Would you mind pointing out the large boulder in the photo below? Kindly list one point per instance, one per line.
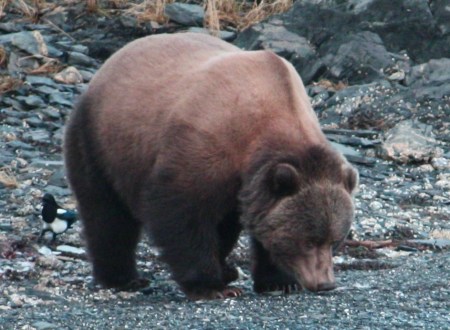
(357, 39)
(359, 58)
(291, 46)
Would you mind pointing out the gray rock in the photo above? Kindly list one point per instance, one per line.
(7, 38)
(352, 154)
(224, 35)
(6, 157)
(15, 104)
(434, 72)
(38, 136)
(410, 141)
(185, 14)
(35, 122)
(441, 14)
(5, 226)
(86, 75)
(42, 325)
(29, 154)
(417, 32)
(292, 47)
(54, 52)
(430, 80)
(58, 136)
(19, 145)
(13, 121)
(129, 21)
(80, 49)
(48, 164)
(42, 89)
(30, 42)
(58, 191)
(58, 16)
(9, 27)
(345, 150)
(61, 98)
(438, 243)
(40, 80)
(70, 46)
(13, 113)
(438, 93)
(18, 64)
(32, 100)
(76, 58)
(51, 112)
(58, 178)
(357, 58)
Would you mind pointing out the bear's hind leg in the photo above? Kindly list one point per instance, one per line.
(110, 231)
(112, 236)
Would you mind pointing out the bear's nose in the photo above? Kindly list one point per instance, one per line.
(326, 286)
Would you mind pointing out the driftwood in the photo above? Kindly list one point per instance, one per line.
(372, 244)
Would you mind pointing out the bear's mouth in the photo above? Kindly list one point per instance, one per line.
(314, 270)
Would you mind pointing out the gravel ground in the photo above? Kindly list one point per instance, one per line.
(414, 294)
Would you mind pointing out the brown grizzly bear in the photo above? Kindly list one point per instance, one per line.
(195, 139)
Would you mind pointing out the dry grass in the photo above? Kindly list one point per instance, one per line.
(3, 5)
(8, 83)
(30, 9)
(92, 6)
(241, 14)
(7, 179)
(149, 10)
(3, 57)
(238, 14)
(211, 20)
(51, 65)
(263, 10)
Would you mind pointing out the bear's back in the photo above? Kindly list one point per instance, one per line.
(192, 102)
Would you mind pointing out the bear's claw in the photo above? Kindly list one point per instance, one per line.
(229, 292)
(285, 288)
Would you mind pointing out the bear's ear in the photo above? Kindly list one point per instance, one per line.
(285, 180)
(351, 178)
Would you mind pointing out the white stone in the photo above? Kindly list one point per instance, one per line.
(69, 75)
(45, 251)
(375, 205)
(440, 163)
(70, 249)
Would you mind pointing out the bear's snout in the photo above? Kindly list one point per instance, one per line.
(316, 286)
(314, 270)
(326, 286)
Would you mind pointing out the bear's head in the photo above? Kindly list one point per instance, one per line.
(300, 207)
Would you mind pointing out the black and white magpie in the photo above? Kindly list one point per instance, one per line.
(54, 218)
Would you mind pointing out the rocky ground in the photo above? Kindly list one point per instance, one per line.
(380, 83)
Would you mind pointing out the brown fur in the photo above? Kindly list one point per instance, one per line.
(185, 134)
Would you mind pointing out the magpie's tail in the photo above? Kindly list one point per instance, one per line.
(71, 221)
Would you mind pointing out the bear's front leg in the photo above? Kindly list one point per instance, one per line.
(200, 274)
(267, 276)
(186, 231)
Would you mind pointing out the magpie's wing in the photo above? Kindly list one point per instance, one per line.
(69, 216)
(48, 213)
